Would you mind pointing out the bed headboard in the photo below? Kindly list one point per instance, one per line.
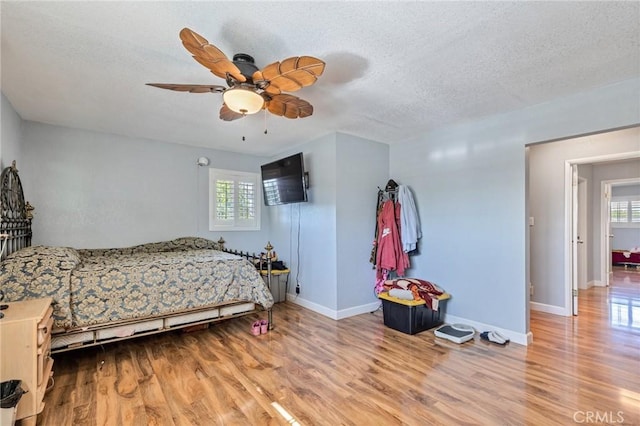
(16, 215)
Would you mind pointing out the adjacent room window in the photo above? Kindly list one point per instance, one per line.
(625, 211)
(234, 203)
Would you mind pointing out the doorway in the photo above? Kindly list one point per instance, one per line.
(608, 189)
(577, 244)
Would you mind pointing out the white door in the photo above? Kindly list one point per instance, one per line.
(582, 233)
(574, 238)
(608, 234)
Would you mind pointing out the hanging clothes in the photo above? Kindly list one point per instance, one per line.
(390, 256)
(389, 193)
(410, 231)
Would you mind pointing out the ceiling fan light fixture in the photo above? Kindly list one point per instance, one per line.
(242, 100)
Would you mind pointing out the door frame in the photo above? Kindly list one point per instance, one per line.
(569, 225)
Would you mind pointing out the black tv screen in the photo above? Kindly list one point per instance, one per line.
(283, 181)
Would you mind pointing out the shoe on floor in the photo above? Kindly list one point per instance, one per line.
(494, 337)
(255, 328)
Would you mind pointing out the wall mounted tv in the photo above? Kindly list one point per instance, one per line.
(285, 181)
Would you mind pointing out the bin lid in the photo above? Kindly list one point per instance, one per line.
(10, 393)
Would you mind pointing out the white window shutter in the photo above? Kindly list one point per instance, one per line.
(619, 210)
(635, 211)
(234, 203)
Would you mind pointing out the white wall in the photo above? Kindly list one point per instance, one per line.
(547, 196)
(11, 135)
(469, 180)
(99, 190)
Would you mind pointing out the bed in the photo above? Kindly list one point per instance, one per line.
(105, 295)
(626, 257)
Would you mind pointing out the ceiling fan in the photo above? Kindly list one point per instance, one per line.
(250, 89)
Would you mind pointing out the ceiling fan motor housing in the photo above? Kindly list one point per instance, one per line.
(246, 64)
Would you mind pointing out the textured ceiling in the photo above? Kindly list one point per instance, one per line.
(394, 69)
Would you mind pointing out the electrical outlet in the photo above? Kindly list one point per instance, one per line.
(298, 288)
(530, 289)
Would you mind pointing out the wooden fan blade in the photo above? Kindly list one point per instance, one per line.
(289, 106)
(193, 41)
(210, 56)
(191, 88)
(291, 74)
(228, 115)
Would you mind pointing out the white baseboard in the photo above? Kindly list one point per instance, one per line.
(322, 310)
(357, 310)
(332, 313)
(597, 283)
(588, 285)
(515, 337)
(550, 309)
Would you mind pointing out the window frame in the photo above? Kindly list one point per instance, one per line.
(237, 177)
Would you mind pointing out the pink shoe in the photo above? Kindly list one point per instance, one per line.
(264, 326)
(255, 328)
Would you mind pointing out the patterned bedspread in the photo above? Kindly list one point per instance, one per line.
(104, 285)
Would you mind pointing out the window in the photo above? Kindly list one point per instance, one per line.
(625, 211)
(619, 211)
(234, 203)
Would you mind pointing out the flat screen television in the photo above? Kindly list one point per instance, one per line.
(284, 181)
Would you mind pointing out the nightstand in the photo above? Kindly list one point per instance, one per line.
(25, 352)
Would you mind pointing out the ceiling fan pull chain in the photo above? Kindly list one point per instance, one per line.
(265, 121)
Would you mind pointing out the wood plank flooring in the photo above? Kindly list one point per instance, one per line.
(311, 370)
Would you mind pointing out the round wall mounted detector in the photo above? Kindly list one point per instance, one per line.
(203, 161)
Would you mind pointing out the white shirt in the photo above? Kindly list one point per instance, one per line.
(410, 230)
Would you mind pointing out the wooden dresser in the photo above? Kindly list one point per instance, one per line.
(25, 353)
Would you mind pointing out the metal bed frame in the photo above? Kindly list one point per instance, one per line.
(16, 214)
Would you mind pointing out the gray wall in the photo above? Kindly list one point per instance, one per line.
(547, 198)
(361, 166)
(468, 179)
(627, 237)
(585, 171)
(316, 270)
(602, 172)
(595, 174)
(337, 223)
(469, 187)
(470, 183)
(99, 190)
(627, 190)
(11, 135)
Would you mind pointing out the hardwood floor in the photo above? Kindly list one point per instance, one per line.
(316, 371)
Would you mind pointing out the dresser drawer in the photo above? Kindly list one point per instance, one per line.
(44, 330)
(44, 358)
